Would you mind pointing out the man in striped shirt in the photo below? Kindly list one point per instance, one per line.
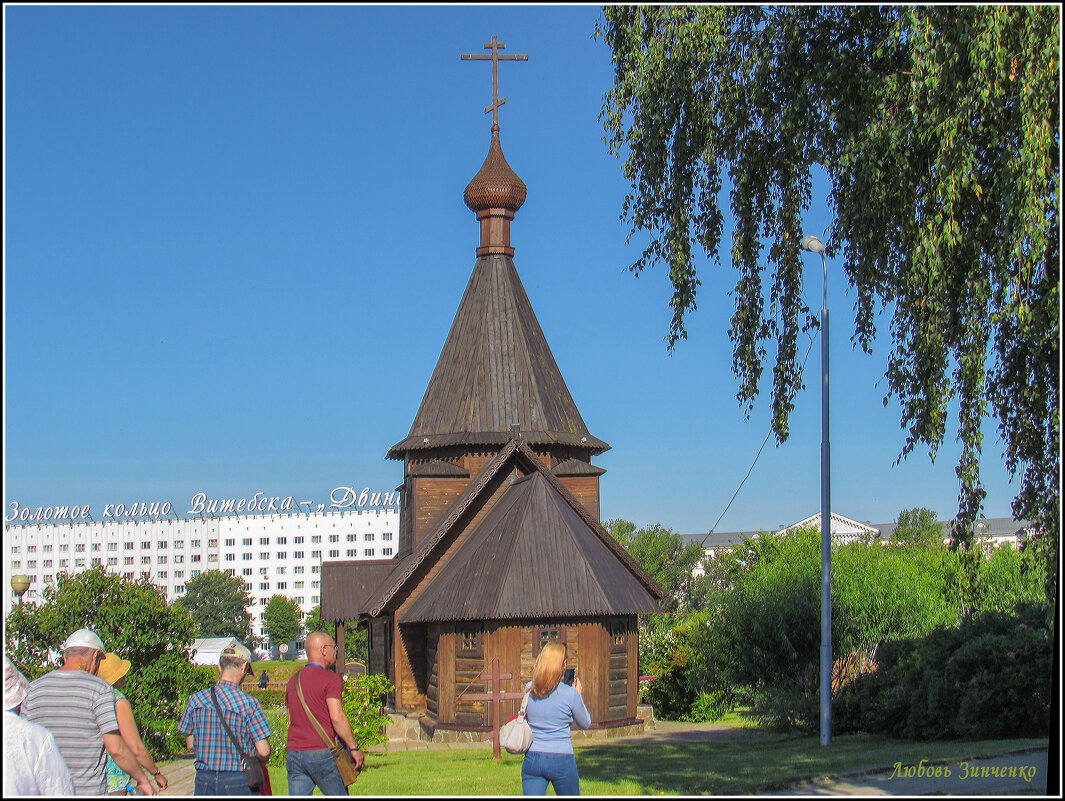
(219, 767)
(78, 708)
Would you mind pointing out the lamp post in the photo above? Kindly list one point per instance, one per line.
(20, 583)
(815, 245)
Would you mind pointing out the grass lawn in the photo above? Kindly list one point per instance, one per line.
(735, 767)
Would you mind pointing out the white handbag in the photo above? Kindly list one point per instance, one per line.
(516, 735)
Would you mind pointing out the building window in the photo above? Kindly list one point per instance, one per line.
(48, 548)
(351, 538)
(246, 557)
(48, 563)
(231, 557)
(179, 543)
(212, 543)
(33, 563)
(247, 571)
(195, 573)
(146, 546)
(212, 557)
(128, 546)
(112, 546)
(196, 543)
(112, 560)
(298, 540)
(95, 547)
(316, 538)
(247, 540)
(316, 568)
(334, 554)
(195, 557)
(281, 571)
(353, 551)
(79, 548)
(316, 584)
(367, 552)
(264, 555)
(297, 585)
(264, 585)
(299, 599)
(369, 537)
(179, 574)
(230, 543)
(65, 562)
(162, 560)
(297, 555)
(160, 545)
(95, 560)
(334, 537)
(282, 555)
(386, 551)
(264, 540)
(128, 560)
(282, 540)
(316, 554)
(179, 589)
(549, 634)
(146, 560)
(179, 558)
(297, 569)
(281, 585)
(162, 574)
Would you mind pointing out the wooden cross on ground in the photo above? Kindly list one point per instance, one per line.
(496, 697)
(495, 46)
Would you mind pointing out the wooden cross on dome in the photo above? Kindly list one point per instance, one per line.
(495, 46)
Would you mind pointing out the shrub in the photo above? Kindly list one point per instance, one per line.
(362, 699)
(278, 720)
(987, 678)
(710, 706)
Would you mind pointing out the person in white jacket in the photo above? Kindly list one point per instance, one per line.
(32, 763)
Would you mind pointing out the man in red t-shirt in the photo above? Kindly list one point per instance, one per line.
(309, 761)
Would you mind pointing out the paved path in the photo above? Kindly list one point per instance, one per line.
(972, 778)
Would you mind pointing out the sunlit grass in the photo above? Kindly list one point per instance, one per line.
(721, 766)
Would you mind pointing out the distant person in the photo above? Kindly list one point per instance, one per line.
(32, 762)
(115, 670)
(264, 679)
(553, 706)
(309, 762)
(78, 708)
(219, 768)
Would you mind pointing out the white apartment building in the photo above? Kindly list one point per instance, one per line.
(274, 553)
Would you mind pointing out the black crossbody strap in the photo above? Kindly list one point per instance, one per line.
(225, 725)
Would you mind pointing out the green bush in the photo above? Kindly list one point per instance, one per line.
(272, 698)
(710, 706)
(278, 720)
(362, 698)
(989, 677)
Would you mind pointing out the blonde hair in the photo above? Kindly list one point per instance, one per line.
(548, 669)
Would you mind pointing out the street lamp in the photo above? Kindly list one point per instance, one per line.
(20, 583)
(815, 245)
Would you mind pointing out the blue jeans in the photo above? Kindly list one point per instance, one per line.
(222, 782)
(308, 768)
(560, 770)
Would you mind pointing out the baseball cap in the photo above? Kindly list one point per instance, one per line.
(84, 638)
(247, 662)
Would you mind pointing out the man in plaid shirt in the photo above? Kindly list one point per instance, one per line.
(219, 768)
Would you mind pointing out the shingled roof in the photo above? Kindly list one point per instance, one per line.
(531, 556)
(496, 370)
(394, 588)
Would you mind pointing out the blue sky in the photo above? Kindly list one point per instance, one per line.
(235, 242)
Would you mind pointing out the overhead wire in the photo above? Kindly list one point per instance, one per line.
(764, 441)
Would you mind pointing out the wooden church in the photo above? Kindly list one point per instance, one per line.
(500, 547)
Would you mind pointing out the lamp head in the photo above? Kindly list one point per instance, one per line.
(813, 244)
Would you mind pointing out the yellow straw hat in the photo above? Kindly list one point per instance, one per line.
(113, 667)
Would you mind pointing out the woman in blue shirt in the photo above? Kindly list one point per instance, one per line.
(553, 706)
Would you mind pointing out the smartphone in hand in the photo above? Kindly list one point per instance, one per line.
(569, 675)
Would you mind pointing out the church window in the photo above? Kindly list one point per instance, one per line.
(549, 634)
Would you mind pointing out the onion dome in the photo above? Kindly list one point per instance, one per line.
(496, 185)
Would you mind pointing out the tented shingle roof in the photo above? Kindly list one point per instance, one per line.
(496, 369)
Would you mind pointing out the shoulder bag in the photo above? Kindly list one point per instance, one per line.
(516, 735)
(253, 766)
(348, 772)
